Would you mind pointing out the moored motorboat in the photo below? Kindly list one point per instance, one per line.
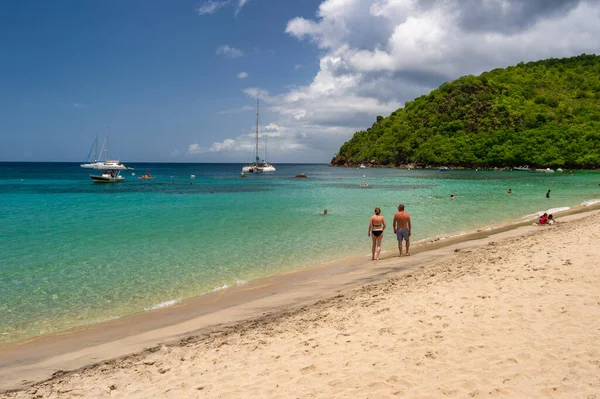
(108, 177)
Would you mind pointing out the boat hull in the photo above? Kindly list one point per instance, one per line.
(107, 179)
(258, 169)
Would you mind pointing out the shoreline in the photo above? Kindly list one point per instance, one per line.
(29, 361)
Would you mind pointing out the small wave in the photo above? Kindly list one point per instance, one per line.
(165, 304)
(561, 209)
(590, 202)
(225, 286)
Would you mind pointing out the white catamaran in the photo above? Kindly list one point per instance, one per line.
(258, 165)
(111, 169)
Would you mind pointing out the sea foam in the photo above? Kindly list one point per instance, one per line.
(165, 304)
(225, 286)
(590, 202)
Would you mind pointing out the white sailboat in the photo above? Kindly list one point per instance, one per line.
(91, 164)
(111, 169)
(259, 165)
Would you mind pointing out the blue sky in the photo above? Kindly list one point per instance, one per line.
(175, 81)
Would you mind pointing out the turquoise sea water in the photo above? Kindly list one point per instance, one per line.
(73, 252)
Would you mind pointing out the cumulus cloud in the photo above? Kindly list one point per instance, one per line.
(376, 55)
(283, 147)
(228, 51)
(446, 39)
(226, 145)
(242, 75)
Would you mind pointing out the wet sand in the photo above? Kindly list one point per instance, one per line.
(513, 311)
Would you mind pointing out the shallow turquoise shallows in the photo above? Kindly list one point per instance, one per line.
(73, 252)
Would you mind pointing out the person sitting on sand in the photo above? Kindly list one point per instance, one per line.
(402, 228)
(543, 219)
(550, 220)
(376, 227)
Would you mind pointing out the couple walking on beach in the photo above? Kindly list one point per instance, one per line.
(402, 229)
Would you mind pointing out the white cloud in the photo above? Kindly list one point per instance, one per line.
(255, 92)
(298, 66)
(241, 3)
(242, 75)
(279, 146)
(210, 7)
(79, 105)
(228, 51)
(379, 54)
(226, 145)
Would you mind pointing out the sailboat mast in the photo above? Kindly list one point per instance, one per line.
(105, 147)
(96, 148)
(256, 145)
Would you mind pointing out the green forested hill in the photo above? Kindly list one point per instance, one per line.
(544, 114)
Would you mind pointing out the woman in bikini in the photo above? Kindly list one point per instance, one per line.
(376, 227)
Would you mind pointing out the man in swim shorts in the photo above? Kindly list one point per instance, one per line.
(402, 228)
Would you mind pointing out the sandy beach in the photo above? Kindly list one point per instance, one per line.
(512, 313)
